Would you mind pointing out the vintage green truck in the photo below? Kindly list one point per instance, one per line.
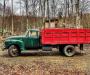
(16, 44)
(66, 40)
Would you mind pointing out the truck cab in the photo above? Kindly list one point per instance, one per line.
(16, 44)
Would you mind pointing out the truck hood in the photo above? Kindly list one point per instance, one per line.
(15, 37)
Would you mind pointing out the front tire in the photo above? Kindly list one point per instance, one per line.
(13, 51)
(69, 50)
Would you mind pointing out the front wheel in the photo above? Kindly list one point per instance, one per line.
(69, 50)
(13, 51)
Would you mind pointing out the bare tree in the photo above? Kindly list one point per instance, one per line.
(77, 14)
(53, 8)
(44, 8)
(84, 6)
(71, 6)
(26, 5)
(40, 7)
(65, 10)
(3, 22)
(21, 16)
(12, 18)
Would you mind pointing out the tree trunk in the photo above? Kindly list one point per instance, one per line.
(12, 19)
(3, 22)
(48, 12)
(27, 13)
(77, 14)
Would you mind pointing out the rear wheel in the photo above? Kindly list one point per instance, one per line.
(13, 51)
(69, 50)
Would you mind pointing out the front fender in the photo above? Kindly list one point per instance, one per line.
(20, 43)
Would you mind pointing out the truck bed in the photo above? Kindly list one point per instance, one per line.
(65, 36)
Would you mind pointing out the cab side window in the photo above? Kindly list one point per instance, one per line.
(33, 34)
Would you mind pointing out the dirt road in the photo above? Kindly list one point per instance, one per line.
(45, 63)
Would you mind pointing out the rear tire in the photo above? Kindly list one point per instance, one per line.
(13, 51)
(69, 50)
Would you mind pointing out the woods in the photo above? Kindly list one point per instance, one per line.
(24, 14)
(44, 37)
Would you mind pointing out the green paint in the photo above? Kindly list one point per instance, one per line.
(26, 41)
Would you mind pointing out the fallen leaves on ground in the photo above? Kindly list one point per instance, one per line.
(38, 68)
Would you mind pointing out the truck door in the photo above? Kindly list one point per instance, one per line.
(33, 40)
